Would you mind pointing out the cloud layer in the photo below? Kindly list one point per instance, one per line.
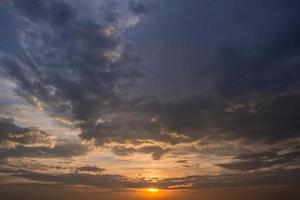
(208, 87)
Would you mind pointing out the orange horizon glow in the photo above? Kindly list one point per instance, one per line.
(152, 190)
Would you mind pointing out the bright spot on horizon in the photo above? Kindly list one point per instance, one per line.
(153, 190)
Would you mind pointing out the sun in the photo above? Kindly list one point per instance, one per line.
(152, 190)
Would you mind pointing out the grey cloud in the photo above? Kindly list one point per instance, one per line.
(156, 151)
(18, 141)
(123, 150)
(265, 119)
(196, 76)
(254, 161)
(64, 150)
(135, 124)
(12, 136)
(248, 47)
(58, 12)
(71, 66)
(268, 119)
(137, 7)
(273, 119)
(90, 169)
(219, 59)
(98, 180)
(271, 178)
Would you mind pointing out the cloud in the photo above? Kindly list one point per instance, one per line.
(266, 119)
(281, 177)
(60, 150)
(123, 150)
(182, 161)
(79, 65)
(97, 180)
(90, 169)
(267, 160)
(156, 151)
(69, 64)
(195, 76)
(16, 141)
(212, 83)
(13, 136)
(137, 7)
(271, 178)
(273, 119)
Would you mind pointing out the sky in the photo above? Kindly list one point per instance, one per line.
(104, 99)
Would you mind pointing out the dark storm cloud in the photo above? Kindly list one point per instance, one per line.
(65, 65)
(233, 71)
(216, 68)
(70, 65)
(226, 48)
(242, 54)
(268, 119)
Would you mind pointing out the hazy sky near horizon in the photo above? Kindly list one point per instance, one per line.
(109, 97)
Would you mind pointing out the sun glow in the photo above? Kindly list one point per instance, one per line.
(153, 190)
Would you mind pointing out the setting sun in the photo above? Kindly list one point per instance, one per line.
(153, 190)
